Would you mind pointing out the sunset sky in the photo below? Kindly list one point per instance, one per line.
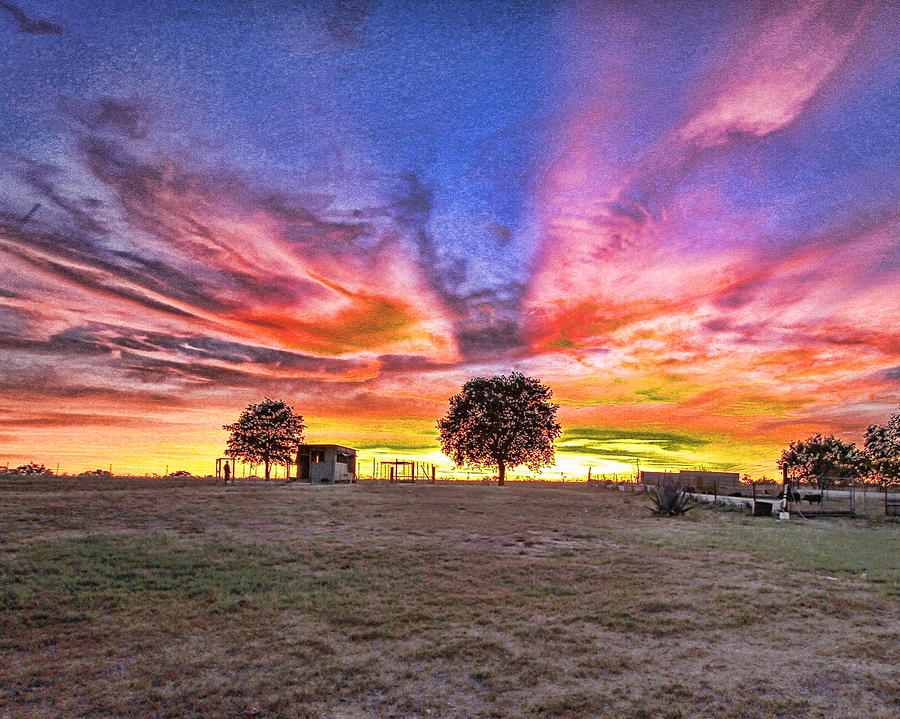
(684, 217)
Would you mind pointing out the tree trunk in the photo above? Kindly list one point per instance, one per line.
(501, 472)
(268, 469)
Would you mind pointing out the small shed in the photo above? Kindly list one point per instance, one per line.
(326, 463)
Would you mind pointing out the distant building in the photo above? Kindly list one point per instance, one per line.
(696, 480)
(326, 463)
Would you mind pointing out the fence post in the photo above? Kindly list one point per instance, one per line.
(784, 489)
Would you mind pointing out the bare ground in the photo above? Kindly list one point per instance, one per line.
(154, 598)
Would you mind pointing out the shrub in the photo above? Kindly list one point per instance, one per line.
(30, 469)
(670, 500)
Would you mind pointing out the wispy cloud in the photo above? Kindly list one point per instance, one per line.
(31, 25)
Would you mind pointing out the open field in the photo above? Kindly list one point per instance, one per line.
(163, 598)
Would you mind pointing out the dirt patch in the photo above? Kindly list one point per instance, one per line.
(529, 542)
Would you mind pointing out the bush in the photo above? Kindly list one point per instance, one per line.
(670, 500)
(96, 473)
(31, 469)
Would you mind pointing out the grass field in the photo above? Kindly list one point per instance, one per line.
(163, 598)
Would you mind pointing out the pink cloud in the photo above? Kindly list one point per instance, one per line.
(767, 80)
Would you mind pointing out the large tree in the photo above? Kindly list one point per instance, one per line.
(266, 433)
(882, 442)
(501, 422)
(823, 459)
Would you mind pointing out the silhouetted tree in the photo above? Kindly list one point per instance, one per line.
(882, 442)
(822, 458)
(500, 422)
(266, 433)
(30, 469)
(747, 479)
(33, 468)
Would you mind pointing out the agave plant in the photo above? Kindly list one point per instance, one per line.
(670, 500)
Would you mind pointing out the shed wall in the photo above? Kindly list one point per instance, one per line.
(329, 470)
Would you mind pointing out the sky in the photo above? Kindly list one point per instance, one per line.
(681, 216)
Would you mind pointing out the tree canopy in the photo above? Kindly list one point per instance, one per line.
(266, 433)
(882, 443)
(500, 422)
(31, 468)
(822, 458)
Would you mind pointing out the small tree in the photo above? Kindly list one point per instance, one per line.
(30, 469)
(266, 433)
(33, 468)
(882, 443)
(822, 458)
(747, 479)
(500, 422)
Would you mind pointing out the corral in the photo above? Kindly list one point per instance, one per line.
(179, 598)
(405, 470)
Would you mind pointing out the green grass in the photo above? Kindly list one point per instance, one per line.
(829, 546)
(70, 580)
(839, 549)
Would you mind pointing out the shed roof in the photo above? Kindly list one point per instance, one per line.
(326, 446)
